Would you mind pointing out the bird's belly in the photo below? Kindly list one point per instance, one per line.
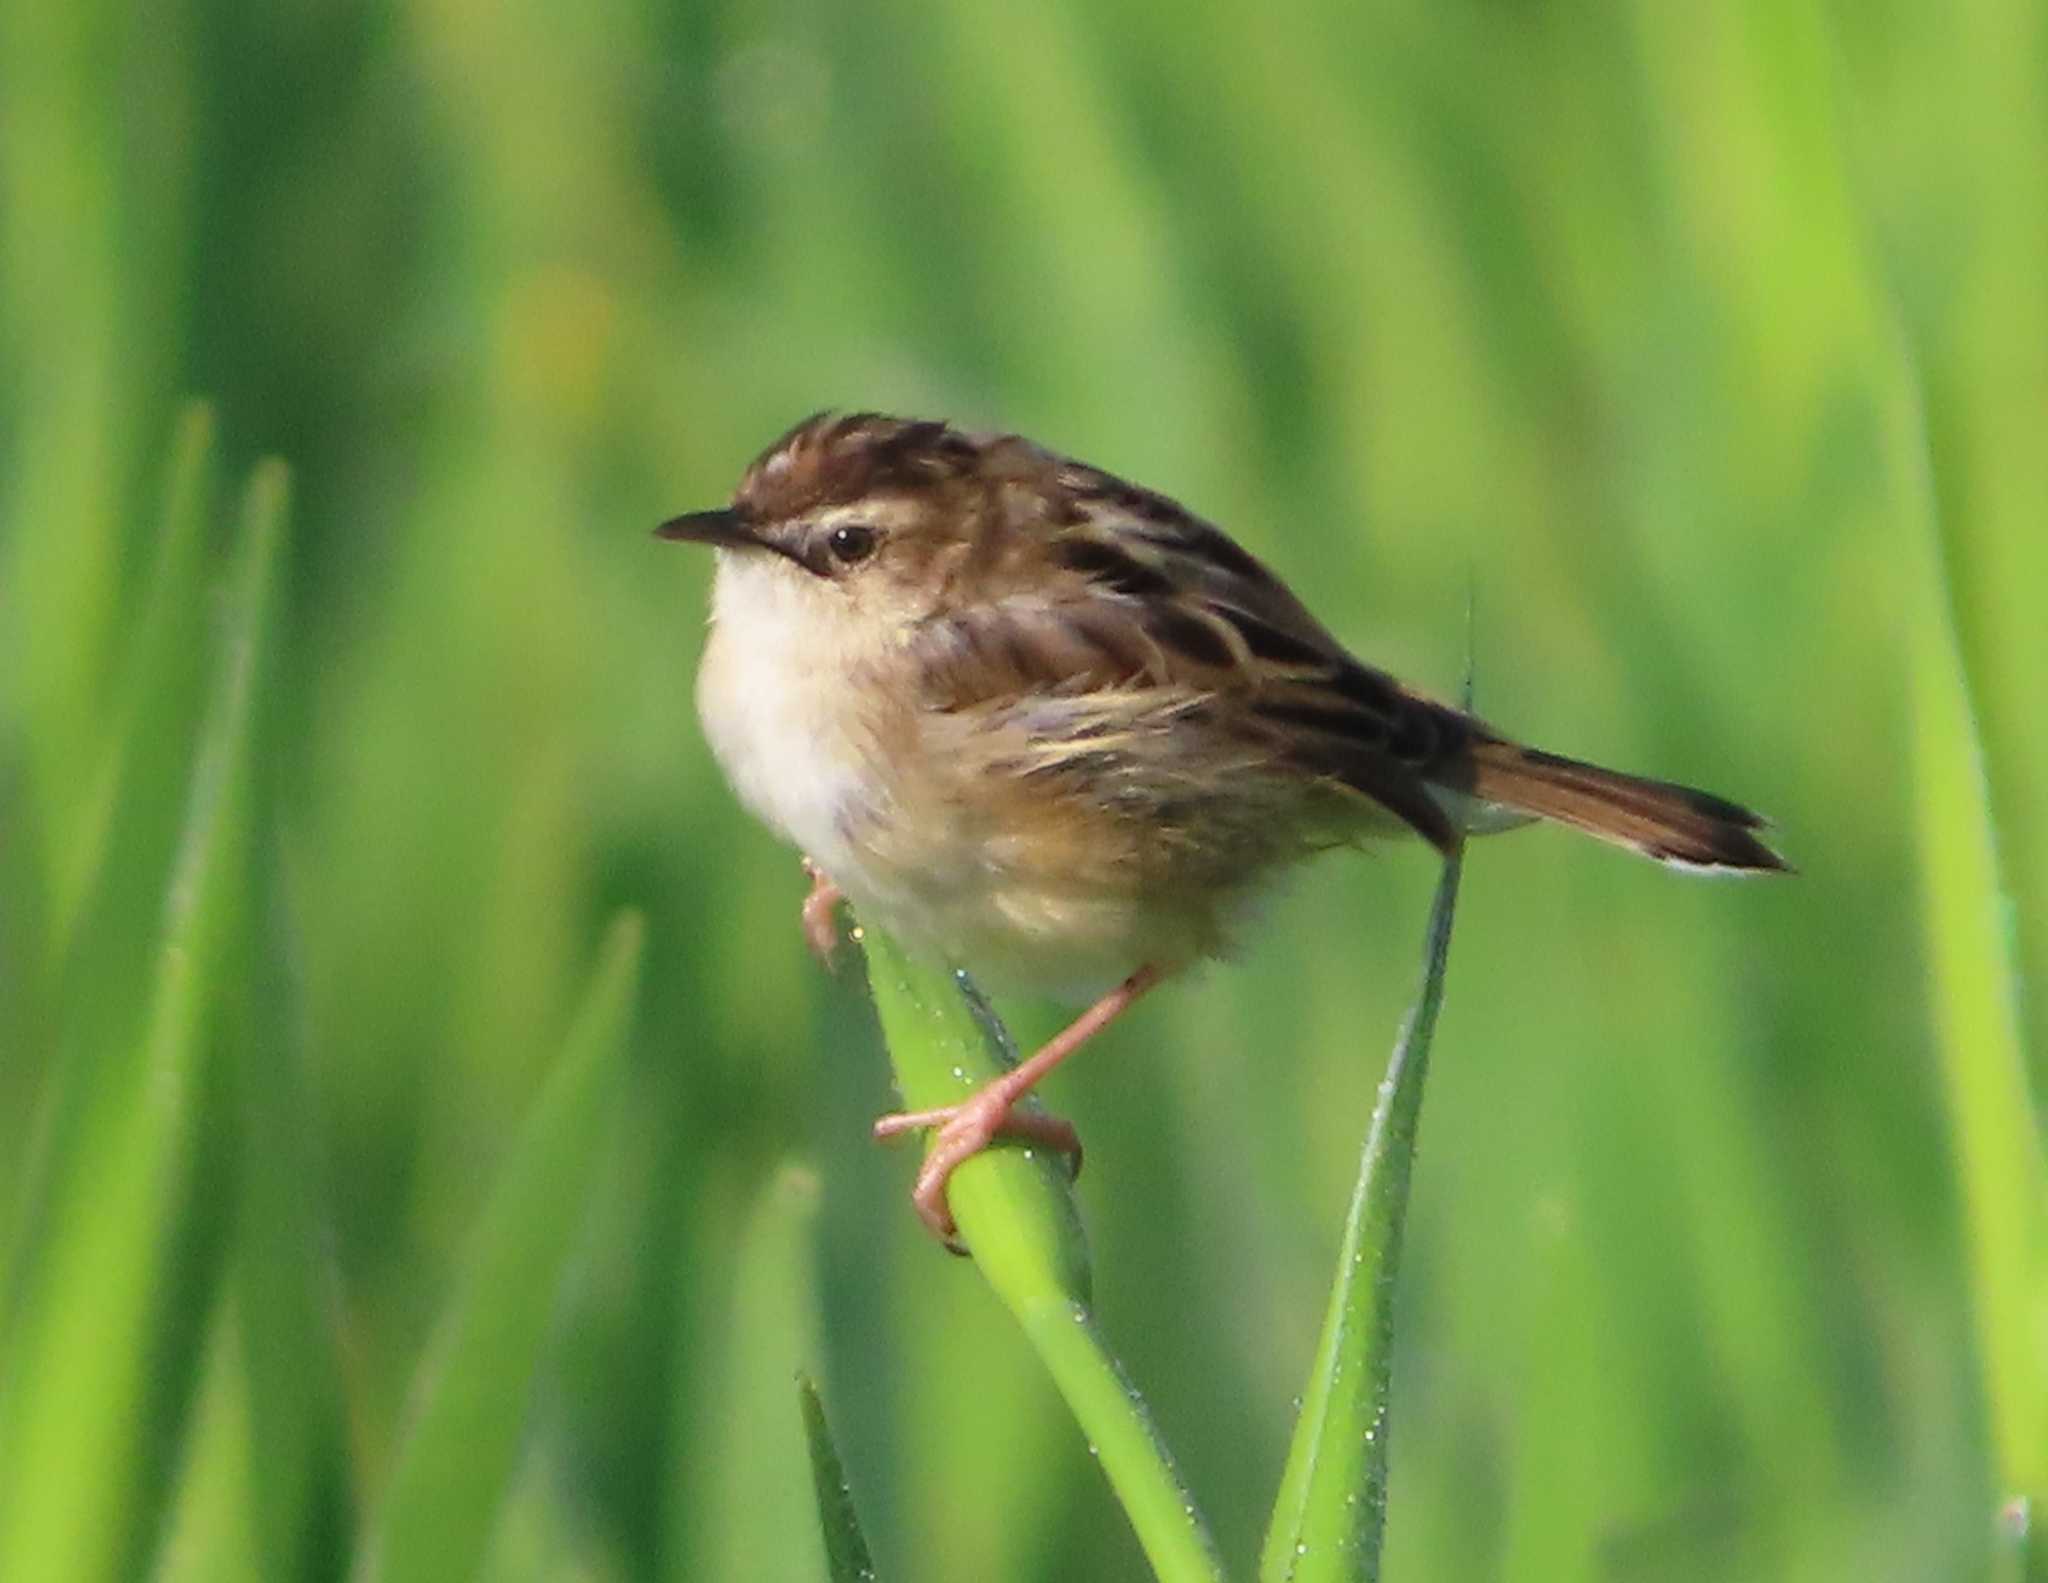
(1023, 897)
(1017, 936)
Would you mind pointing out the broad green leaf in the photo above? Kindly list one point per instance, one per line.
(846, 1549)
(83, 1417)
(1330, 1516)
(469, 1396)
(1017, 1214)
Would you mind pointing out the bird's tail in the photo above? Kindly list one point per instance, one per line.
(1670, 823)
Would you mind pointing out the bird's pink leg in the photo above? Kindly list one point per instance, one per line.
(821, 929)
(967, 1128)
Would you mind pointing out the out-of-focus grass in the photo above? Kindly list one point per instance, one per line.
(463, 1432)
(749, 1474)
(98, 1325)
(1602, 301)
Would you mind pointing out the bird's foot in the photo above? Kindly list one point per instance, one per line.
(963, 1131)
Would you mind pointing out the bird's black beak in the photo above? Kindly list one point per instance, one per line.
(724, 529)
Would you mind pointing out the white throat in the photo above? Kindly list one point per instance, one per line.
(778, 707)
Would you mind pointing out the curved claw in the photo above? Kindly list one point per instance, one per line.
(967, 1128)
(820, 923)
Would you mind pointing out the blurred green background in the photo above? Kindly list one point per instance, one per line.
(1706, 348)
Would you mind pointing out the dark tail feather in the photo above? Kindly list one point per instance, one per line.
(1673, 824)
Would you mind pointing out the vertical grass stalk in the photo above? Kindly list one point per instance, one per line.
(1330, 1516)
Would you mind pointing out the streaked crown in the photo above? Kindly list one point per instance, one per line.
(833, 459)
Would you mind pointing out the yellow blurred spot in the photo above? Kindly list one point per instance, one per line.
(555, 343)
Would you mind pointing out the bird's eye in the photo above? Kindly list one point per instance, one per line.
(851, 542)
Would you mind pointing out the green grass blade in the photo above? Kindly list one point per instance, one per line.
(1017, 1212)
(469, 1397)
(82, 1417)
(1974, 992)
(1331, 1512)
(209, 1528)
(128, 821)
(846, 1549)
(1977, 1026)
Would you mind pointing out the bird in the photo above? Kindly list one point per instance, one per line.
(1053, 728)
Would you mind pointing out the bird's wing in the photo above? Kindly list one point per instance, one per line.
(1109, 669)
